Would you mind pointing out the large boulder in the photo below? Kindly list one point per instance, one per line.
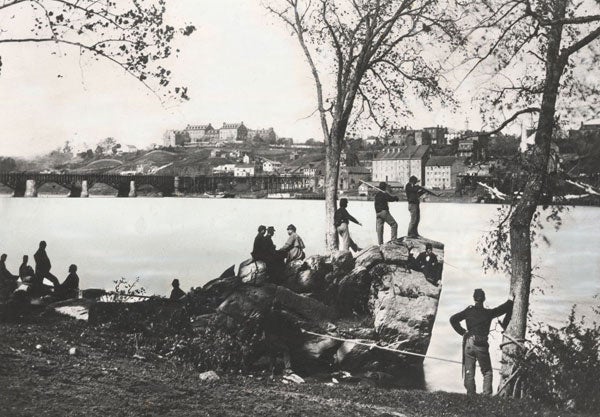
(353, 292)
(247, 299)
(342, 262)
(395, 252)
(310, 276)
(406, 320)
(253, 272)
(368, 257)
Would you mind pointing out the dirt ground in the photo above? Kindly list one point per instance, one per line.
(38, 376)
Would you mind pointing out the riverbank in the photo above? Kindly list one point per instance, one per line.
(39, 376)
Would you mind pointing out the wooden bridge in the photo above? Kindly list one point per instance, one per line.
(26, 184)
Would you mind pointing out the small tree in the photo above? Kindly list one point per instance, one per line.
(366, 58)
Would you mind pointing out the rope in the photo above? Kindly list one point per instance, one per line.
(375, 346)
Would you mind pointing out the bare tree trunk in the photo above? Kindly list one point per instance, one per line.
(332, 168)
(520, 224)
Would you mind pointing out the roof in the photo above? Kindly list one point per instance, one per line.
(232, 125)
(403, 152)
(358, 170)
(391, 184)
(441, 161)
(198, 127)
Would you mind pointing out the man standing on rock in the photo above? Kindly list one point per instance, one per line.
(413, 194)
(475, 339)
(341, 220)
(42, 268)
(382, 212)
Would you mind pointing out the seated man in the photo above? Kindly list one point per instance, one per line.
(70, 286)
(177, 293)
(26, 271)
(293, 249)
(8, 281)
(427, 263)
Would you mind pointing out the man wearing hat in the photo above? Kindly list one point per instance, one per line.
(294, 246)
(258, 250)
(427, 263)
(382, 212)
(413, 193)
(475, 339)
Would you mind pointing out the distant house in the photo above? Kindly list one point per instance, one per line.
(217, 153)
(398, 164)
(436, 135)
(350, 177)
(244, 170)
(224, 169)
(467, 148)
(442, 171)
(271, 166)
(231, 132)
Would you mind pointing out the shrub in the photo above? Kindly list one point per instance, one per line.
(563, 369)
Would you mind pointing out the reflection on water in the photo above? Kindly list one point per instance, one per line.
(197, 239)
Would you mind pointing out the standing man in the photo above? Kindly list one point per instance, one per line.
(341, 220)
(42, 267)
(475, 339)
(413, 193)
(382, 212)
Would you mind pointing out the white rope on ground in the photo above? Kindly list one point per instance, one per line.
(375, 346)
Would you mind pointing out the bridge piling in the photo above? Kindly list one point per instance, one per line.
(132, 191)
(30, 189)
(84, 189)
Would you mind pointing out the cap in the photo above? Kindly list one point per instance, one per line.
(479, 295)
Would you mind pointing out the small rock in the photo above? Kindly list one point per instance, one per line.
(209, 376)
(294, 378)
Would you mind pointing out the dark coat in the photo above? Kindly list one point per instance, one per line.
(382, 199)
(479, 319)
(42, 262)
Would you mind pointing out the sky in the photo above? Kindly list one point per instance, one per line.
(240, 65)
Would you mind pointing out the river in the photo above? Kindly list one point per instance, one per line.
(196, 239)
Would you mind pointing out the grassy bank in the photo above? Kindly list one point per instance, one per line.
(38, 376)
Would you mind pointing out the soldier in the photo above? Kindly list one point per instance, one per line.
(259, 243)
(475, 339)
(413, 194)
(382, 212)
(427, 263)
(341, 219)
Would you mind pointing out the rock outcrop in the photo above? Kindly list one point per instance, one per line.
(373, 298)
